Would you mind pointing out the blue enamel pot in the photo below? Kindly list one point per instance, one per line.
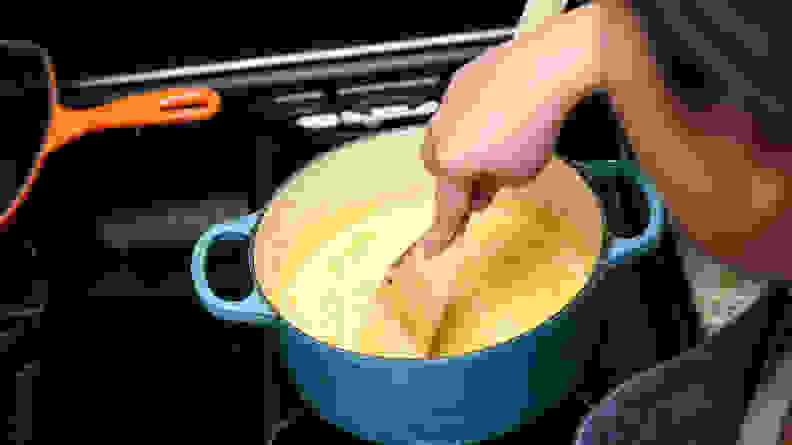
(451, 400)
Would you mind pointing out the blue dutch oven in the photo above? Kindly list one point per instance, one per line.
(450, 400)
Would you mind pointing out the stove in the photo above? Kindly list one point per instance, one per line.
(158, 358)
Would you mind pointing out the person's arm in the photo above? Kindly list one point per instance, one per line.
(500, 117)
(714, 183)
(501, 113)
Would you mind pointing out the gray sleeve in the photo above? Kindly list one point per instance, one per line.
(692, 399)
(591, 431)
(610, 424)
(620, 417)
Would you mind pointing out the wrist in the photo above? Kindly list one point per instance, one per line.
(502, 113)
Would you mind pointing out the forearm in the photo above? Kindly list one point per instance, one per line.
(723, 196)
(503, 110)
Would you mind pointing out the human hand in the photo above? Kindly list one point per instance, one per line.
(495, 128)
(479, 141)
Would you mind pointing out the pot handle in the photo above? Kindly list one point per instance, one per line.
(621, 250)
(254, 308)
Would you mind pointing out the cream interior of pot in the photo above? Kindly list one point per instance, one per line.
(329, 234)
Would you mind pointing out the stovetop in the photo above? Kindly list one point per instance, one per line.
(141, 340)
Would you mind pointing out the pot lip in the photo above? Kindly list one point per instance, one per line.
(601, 266)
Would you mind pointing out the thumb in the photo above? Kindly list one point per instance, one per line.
(453, 205)
(455, 200)
(451, 211)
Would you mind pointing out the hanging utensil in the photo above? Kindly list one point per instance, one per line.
(29, 96)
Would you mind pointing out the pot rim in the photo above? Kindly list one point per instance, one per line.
(601, 266)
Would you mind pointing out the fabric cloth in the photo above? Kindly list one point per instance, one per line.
(706, 394)
(772, 402)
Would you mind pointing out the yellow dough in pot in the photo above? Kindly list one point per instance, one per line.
(324, 245)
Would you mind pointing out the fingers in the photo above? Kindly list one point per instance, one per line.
(452, 202)
(452, 208)
(429, 150)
